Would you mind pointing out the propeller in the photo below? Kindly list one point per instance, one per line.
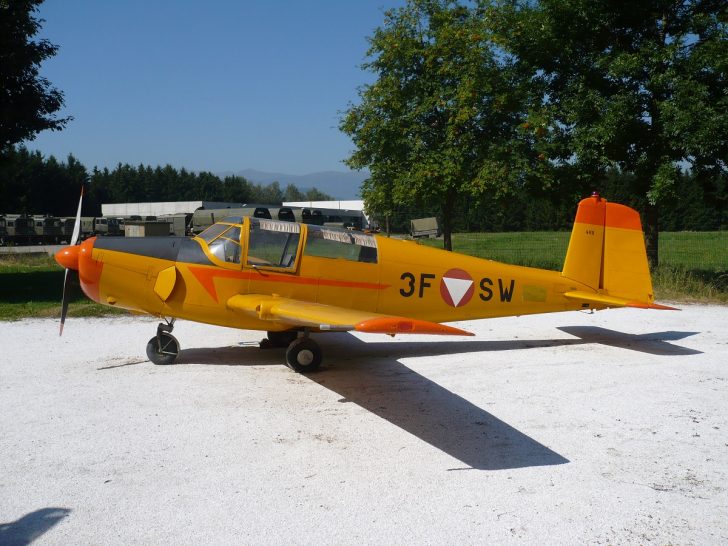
(68, 258)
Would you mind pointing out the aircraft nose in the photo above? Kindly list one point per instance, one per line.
(68, 257)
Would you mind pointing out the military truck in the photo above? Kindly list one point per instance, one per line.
(47, 229)
(3, 230)
(424, 227)
(21, 229)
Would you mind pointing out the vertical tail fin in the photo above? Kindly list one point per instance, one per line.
(607, 252)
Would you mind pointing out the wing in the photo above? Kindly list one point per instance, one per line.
(298, 313)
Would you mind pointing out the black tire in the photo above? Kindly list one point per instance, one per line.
(282, 339)
(163, 350)
(303, 355)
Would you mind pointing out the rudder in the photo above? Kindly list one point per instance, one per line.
(607, 252)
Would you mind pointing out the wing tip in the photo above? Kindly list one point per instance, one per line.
(657, 306)
(400, 325)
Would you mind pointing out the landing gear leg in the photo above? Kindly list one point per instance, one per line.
(282, 339)
(163, 348)
(303, 354)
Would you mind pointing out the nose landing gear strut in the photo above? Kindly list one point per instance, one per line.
(163, 348)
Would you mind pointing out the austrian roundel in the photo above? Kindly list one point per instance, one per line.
(456, 287)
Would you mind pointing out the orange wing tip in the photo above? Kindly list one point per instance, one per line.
(395, 325)
(659, 306)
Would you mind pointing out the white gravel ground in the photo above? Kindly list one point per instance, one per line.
(570, 428)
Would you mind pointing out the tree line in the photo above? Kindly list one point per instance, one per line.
(691, 208)
(31, 183)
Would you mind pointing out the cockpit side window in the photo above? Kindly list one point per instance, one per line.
(325, 242)
(213, 231)
(227, 246)
(272, 243)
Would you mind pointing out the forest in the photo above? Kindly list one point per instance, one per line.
(31, 183)
(690, 207)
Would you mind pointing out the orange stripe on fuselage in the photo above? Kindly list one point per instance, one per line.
(206, 276)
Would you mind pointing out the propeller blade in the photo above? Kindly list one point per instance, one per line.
(70, 277)
(77, 226)
(70, 284)
(64, 301)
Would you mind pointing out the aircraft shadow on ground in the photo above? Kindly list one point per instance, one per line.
(378, 382)
(654, 344)
(370, 375)
(245, 354)
(31, 526)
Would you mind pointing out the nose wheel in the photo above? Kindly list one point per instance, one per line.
(163, 348)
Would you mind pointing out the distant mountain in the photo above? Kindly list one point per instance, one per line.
(338, 184)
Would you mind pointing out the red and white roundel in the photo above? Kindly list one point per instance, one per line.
(456, 287)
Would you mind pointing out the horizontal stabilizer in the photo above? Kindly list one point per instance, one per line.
(602, 300)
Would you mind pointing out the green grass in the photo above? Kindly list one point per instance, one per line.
(31, 285)
(695, 250)
(693, 265)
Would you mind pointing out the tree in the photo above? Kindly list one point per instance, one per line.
(292, 193)
(236, 189)
(441, 120)
(270, 194)
(640, 86)
(316, 195)
(28, 102)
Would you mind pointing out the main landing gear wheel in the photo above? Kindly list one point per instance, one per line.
(303, 355)
(282, 339)
(163, 348)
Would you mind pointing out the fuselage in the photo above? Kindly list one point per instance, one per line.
(194, 278)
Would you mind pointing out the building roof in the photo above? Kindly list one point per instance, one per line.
(161, 208)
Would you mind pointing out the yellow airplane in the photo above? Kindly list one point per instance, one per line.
(292, 279)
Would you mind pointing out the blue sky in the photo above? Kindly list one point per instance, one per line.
(218, 85)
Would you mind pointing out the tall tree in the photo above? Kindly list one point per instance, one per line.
(636, 85)
(28, 102)
(270, 194)
(292, 193)
(441, 119)
(313, 194)
(237, 189)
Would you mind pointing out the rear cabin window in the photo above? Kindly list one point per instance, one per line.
(272, 243)
(324, 242)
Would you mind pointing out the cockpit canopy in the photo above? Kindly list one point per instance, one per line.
(273, 243)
